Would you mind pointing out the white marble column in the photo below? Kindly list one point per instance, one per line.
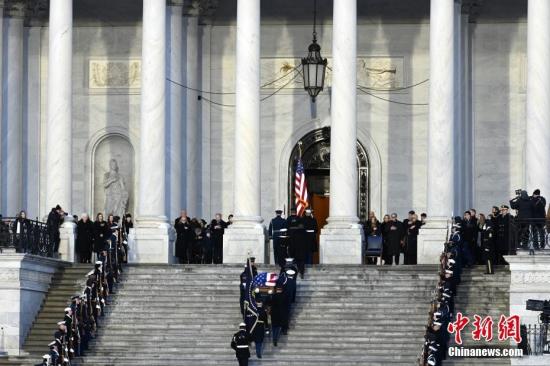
(441, 130)
(193, 124)
(176, 144)
(12, 140)
(537, 134)
(246, 234)
(341, 239)
(441, 110)
(153, 240)
(59, 106)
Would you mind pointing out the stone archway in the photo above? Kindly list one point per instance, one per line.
(316, 159)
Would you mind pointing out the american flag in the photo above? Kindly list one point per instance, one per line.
(300, 189)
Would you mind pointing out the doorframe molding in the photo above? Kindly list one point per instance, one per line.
(373, 156)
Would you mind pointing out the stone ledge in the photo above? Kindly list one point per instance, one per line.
(241, 241)
(341, 245)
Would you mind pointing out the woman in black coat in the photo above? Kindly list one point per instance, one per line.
(85, 239)
(20, 229)
(102, 232)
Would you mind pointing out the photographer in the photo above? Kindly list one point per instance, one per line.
(539, 215)
(524, 208)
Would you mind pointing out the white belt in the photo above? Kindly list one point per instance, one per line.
(244, 346)
(310, 231)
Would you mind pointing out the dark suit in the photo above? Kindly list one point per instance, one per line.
(217, 229)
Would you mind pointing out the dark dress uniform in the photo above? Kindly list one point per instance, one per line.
(488, 249)
(278, 228)
(310, 226)
(239, 343)
(279, 313)
(245, 279)
(184, 241)
(257, 331)
(85, 240)
(217, 229)
(298, 242)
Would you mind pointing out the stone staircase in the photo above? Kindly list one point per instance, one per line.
(345, 315)
(67, 282)
(484, 295)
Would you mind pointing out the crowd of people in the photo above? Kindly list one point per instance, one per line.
(266, 303)
(81, 317)
(494, 235)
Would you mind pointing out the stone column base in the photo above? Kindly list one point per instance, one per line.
(342, 245)
(152, 241)
(67, 235)
(431, 241)
(241, 241)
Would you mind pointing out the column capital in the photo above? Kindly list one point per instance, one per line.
(15, 9)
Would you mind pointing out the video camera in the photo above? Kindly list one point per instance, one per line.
(540, 305)
(518, 192)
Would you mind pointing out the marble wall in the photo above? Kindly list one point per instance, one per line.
(394, 134)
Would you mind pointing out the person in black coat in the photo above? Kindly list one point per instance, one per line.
(217, 228)
(524, 209)
(85, 239)
(20, 229)
(539, 216)
(488, 248)
(55, 219)
(102, 232)
(393, 233)
(503, 235)
(239, 343)
(469, 236)
(411, 235)
(185, 238)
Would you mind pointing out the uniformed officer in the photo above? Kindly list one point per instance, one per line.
(290, 270)
(257, 332)
(279, 309)
(310, 226)
(278, 228)
(54, 353)
(250, 271)
(239, 343)
(45, 361)
(298, 245)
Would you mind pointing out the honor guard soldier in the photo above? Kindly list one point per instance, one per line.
(246, 277)
(239, 343)
(277, 229)
(279, 311)
(45, 361)
(54, 353)
(290, 270)
(298, 244)
(310, 226)
(257, 332)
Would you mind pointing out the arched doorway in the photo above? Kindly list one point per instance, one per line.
(316, 160)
